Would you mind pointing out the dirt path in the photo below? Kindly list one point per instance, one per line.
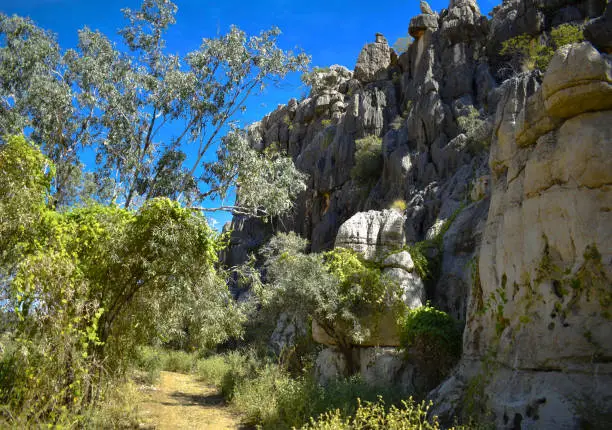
(181, 402)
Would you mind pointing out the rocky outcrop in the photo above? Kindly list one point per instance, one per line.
(373, 234)
(598, 31)
(515, 17)
(545, 266)
(526, 261)
(578, 80)
(374, 60)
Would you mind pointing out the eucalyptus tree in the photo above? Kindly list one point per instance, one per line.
(152, 118)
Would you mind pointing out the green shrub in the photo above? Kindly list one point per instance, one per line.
(433, 337)
(151, 362)
(117, 409)
(242, 367)
(532, 54)
(275, 400)
(475, 130)
(397, 123)
(427, 254)
(375, 415)
(267, 395)
(212, 369)
(180, 361)
(399, 205)
(368, 160)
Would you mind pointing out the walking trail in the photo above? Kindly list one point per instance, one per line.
(181, 402)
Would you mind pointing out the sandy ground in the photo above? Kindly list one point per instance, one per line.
(181, 402)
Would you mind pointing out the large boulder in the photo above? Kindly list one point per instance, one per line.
(330, 365)
(374, 234)
(421, 23)
(578, 79)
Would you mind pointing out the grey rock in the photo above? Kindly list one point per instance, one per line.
(411, 285)
(330, 365)
(373, 234)
(288, 329)
(598, 31)
(421, 23)
(385, 367)
(426, 9)
(463, 22)
(373, 61)
(401, 260)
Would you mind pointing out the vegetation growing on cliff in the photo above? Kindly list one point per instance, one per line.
(530, 53)
(368, 161)
(433, 338)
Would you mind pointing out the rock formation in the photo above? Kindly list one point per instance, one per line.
(521, 164)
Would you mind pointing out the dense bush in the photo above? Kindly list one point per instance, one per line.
(267, 395)
(532, 54)
(84, 287)
(432, 337)
(369, 415)
(368, 160)
(336, 288)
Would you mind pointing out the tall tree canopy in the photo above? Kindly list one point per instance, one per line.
(122, 105)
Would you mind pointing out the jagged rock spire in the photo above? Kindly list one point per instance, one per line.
(426, 9)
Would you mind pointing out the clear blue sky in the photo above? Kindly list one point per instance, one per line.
(331, 31)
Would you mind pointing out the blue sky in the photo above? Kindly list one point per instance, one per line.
(331, 31)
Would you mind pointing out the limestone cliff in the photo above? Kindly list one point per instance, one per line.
(521, 163)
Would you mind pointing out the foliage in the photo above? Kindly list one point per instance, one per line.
(117, 409)
(121, 104)
(336, 288)
(268, 182)
(375, 415)
(398, 122)
(399, 205)
(427, 254)
(478, 138)
(402, 44)
(24, 182)
(368, 160)
(432, 336)
(268, 396)
(84, 287)
(316, 78)
(152, 360)
(532, 54)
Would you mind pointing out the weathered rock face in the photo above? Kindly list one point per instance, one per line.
(598, 31)
(373, 234)
(515, 17)
(540, 315)
(374, 60)
(527, 261)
